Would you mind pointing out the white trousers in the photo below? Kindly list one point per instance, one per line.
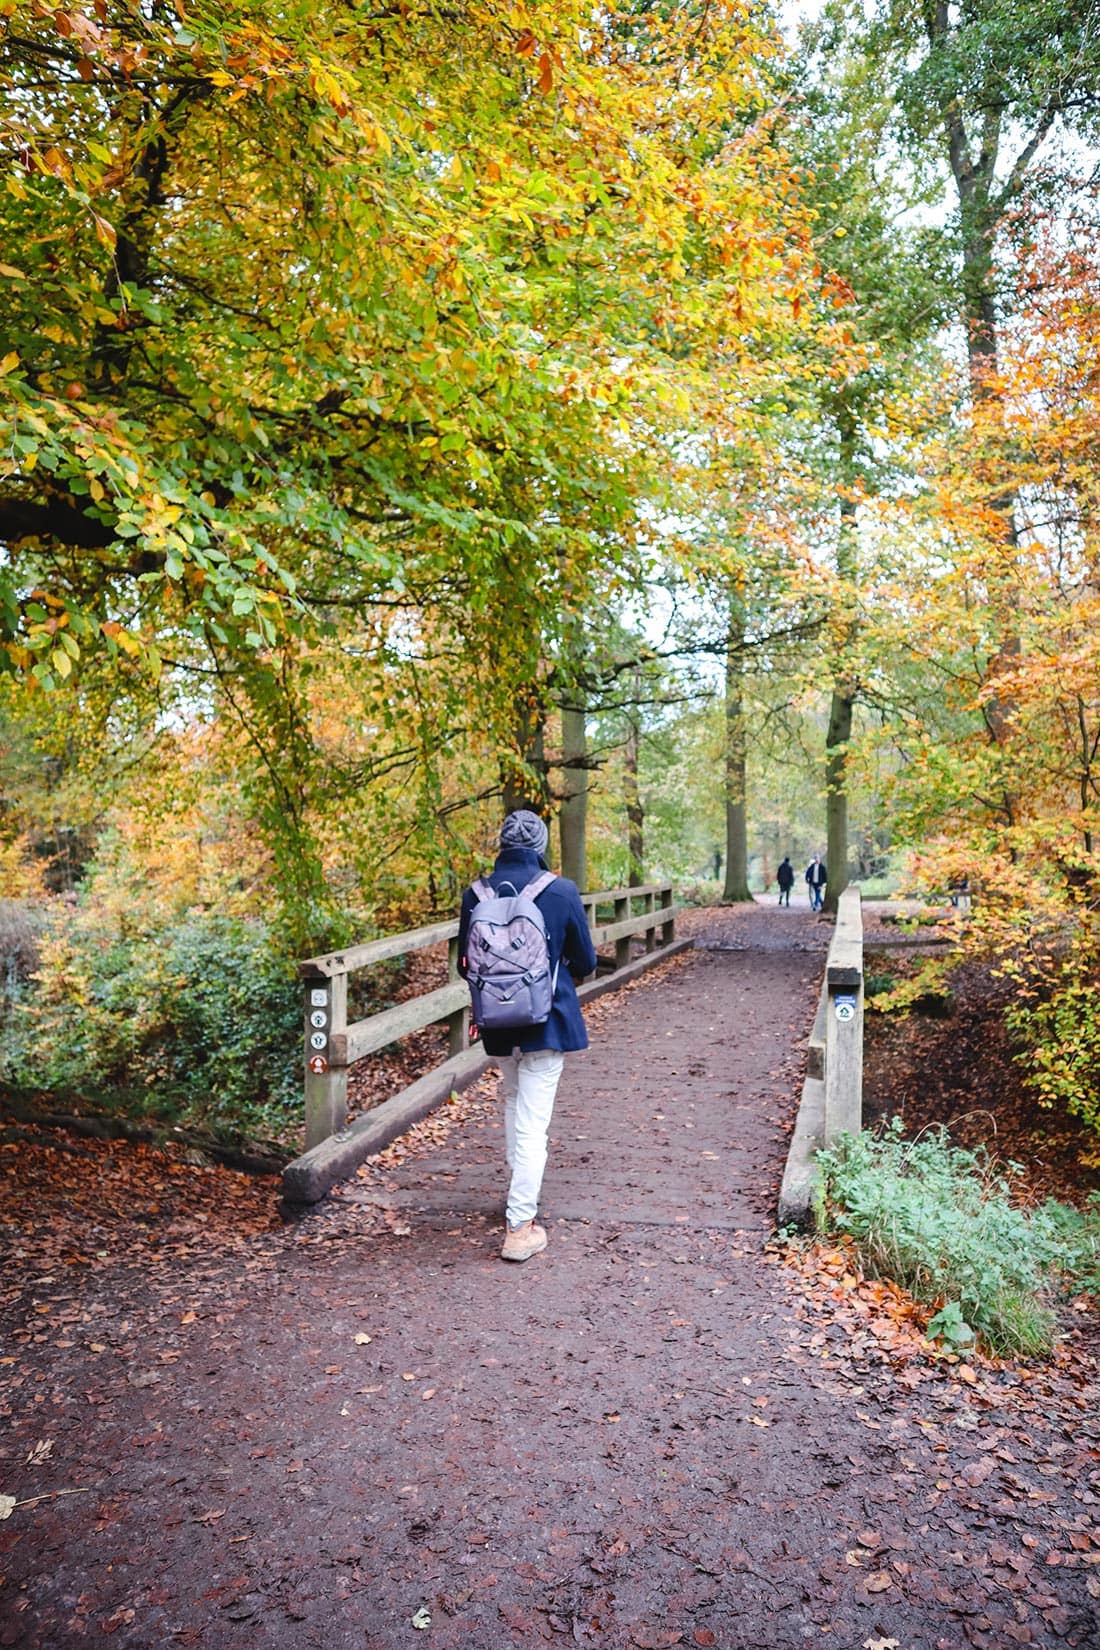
(530, 1087)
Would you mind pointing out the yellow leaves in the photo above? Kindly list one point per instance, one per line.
(332, 85)
(9, 363)
(372, 129)
(54, 164)
(121, 637)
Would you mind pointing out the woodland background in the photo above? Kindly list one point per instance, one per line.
(680, 422)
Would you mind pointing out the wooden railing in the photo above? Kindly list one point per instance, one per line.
(832, 1094)
(333, 1046)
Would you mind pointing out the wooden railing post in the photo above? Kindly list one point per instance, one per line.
(622, 944)
(668, 929)
(844, 1021)
(326, 1018)
(651, 931)
(590, 913)
(459, 1022)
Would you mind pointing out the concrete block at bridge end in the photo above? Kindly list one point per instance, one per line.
(802, 1175)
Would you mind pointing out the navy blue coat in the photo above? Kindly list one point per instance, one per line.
(570, 945)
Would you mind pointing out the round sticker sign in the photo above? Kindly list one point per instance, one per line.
(317, 1064)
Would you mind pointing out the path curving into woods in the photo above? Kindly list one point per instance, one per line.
(646, 1436)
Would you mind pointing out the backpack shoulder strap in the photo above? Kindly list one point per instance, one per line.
(538, 884)
(483, 889)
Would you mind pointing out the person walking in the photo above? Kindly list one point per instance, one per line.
(531, 1057)
(785, 878)
(816, 878)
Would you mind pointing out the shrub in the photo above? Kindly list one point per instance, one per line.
(199, 1020)
(1079, 1231)
(1056, 1030)
(941, 1221)
(21, 924)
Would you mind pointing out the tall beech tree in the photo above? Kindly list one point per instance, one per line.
(885, 286)
(987, 86)
(984, 90)
(356, 330)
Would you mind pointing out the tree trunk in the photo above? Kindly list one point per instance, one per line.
(524, 768)
(737, 843)
(573, 814)
(839, 731)
(973, 161)
(635, 813)
(836, 794)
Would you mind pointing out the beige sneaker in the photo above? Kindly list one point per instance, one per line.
(523, 1241)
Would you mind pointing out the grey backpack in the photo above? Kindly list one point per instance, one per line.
(508, 957)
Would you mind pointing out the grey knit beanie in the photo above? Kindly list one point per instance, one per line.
(524, 829)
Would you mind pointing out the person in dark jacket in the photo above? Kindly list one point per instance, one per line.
(785, 878)
(531, 1058)
(816, 878)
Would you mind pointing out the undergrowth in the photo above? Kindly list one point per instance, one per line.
(941, 1220)
(196, 1022)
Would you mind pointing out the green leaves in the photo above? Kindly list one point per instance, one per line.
(941, 1221)
(350, 352)
(949, 1325)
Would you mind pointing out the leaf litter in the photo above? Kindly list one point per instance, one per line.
(901, 1431)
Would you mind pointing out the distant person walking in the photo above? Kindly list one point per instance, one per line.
(816, 878)
(785, 878)
(545, 950)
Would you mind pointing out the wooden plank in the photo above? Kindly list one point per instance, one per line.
(844, 1038)
(815, 1058)
(843, 1070)
(801, 1173)
(369, 1035)
(607, 932)
(326, 1095)
(604, 896)
(415, 939)
(361, 956)
(845, 964)
(310, 1176)
(458, 1029)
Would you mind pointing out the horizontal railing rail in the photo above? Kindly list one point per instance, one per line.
(832, 1094)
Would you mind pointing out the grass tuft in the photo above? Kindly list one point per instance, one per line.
(941, 1220)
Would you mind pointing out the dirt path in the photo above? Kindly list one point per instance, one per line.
(646, 1436)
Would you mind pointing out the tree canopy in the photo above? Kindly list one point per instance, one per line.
(684, 425)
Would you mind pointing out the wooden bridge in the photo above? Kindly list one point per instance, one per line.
(618, 919)
(621, 920)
